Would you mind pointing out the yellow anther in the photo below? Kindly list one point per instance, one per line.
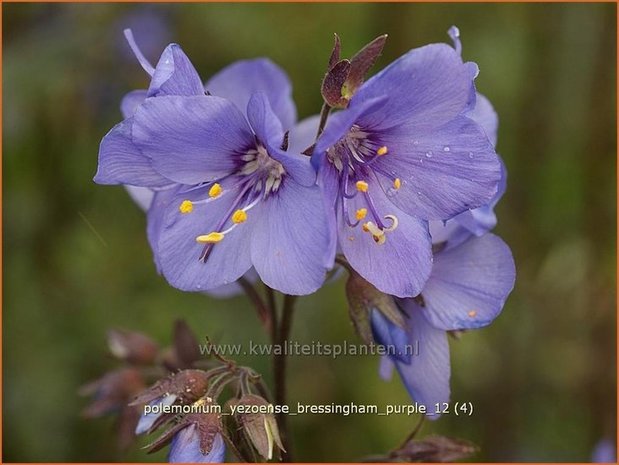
(382, 151)
(239, 216)
(210, 238)
(186, 206)
(362, 186)
(397, 183)
(365, 227)
(215, 190)
(361, 213)
(472, 313)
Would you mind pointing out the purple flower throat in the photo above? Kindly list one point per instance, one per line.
(258, 176)
(352, 157)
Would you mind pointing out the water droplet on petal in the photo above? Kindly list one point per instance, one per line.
(471, 155)
(446, 149)
(415, 142)
(428, 154)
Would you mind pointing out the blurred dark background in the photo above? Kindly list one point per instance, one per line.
(542, 378)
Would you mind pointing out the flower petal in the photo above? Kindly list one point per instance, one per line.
(178, 253)
(426, 378)
(148, 419)
(443, 173)
(289, 242)
(329, 185)
(402, 264)
(427, 88)
(240, 80)
(471, 222)
(131, 101)
(469, 284)
(121, 162)
(155, 218)
(175, 75)
(340, 123)
(142, 196)
(302, 135)
(393, 338)
(484, 115)
(192, 139)
(385, 368)
(185, 448)
(230, 290)
(269, 131)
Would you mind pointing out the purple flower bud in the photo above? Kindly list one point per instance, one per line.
(187, 385)
(134, 347)
(113, 391)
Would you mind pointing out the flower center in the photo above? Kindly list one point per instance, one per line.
(258, 163)
(257, 177)
(354, 157)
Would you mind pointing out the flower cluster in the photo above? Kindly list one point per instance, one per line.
(397, 185)
(184, 397)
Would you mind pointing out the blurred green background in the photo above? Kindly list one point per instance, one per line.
(542, 378)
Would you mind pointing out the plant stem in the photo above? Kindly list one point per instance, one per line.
(265, 313)
(272, 308)
(414, 433)
(279, 371)
(324, 115)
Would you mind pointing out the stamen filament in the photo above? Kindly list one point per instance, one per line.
(373, 210)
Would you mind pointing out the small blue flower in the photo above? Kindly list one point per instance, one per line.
(405, 151)
(605, 451)
(148, 419)
(186, 447)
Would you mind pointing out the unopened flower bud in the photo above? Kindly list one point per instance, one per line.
(259, 425)
(134, 347)
(197, 438)
(187, 385)
(363, 298)
(112, 391)
(344, 77)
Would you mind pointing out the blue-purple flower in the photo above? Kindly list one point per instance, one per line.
(466, 290)
(405, 151)
(472, 275)
(228, 194)
(188, 447)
